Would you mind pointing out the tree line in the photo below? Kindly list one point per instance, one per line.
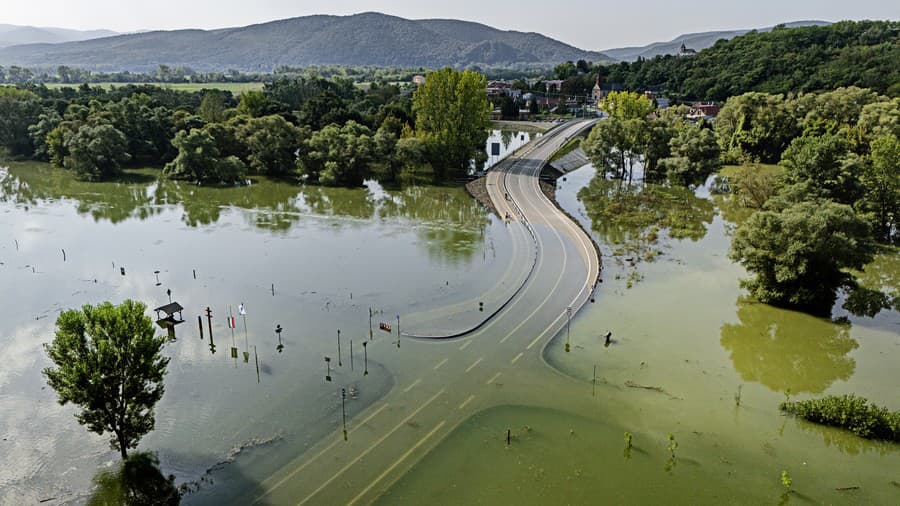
(865, 54)
(837, 194)
(326, 131)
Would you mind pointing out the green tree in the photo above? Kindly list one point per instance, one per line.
(96, 152)
(695, 155)
(271, 144)
(199, 159)
(798, 254)
(881, 187)
(624, 105)
(19, 109)
(212, 107)
(338, 156)
(825, 165)
(452, 115)
(107, 361)
(253, 103)
(47, 122)
(755, 127)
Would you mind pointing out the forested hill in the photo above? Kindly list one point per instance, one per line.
(864, 54)
(695, 41)
(361, 39)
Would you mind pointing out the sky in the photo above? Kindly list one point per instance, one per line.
(588, 24)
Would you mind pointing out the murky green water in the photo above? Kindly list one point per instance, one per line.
(692, 358)
(313, 260)
(682, 328)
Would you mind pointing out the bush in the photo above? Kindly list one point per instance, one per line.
(849, 412)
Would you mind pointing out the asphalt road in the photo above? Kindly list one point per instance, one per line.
(441, 383)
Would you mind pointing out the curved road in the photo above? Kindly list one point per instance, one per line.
(439, 384)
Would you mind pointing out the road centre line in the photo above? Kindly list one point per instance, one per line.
(439, 364)
(468, 400)
(329, 447)
(474, 364)
(372, 447)
(398, 461)
(413, 385)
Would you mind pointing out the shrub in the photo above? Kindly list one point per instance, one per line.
(849, 412)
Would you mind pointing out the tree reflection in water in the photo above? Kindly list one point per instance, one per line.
(137, 482)
(449, 222)
(786, 350)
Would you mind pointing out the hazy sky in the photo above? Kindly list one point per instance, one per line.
(589, 24)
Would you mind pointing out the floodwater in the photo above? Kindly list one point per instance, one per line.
(313, 260)
(690, 356)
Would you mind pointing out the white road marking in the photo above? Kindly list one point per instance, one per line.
(370, 448)
(474, 364)
(398, 461)
(310, 461)
(468, 400)
(442, 362)
(465, 344)
(517, 357)
(413, 385)
(493, 378)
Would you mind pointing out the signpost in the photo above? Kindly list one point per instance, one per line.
(343, 411)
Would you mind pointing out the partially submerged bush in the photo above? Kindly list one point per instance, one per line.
(849, 412)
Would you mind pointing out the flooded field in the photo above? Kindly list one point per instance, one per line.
(313, 260)
(690, 357)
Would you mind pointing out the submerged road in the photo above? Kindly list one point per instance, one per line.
(439, 384)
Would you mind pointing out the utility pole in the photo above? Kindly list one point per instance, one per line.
(339, 349)
(351, 354)
(212, 345)
(344, 411)
(365, 358)
(327, 368)
(370, 324)
(568, 325)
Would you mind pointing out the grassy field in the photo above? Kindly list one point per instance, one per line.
(236, 88)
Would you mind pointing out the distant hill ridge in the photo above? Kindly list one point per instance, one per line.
(11, 35)
(697, 41)
(361, 39)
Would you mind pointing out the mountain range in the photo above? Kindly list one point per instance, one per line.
(361, 39)
(696, 41)
(13, 35)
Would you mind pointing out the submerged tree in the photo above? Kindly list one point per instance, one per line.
(798, 254)
(107, 361)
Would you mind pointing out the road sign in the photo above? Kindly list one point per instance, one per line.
(343, 393)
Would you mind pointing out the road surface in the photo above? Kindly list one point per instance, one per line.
(441, 383)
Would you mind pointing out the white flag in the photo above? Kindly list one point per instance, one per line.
(241, 310)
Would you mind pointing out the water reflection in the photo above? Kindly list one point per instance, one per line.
(452, 228)
(786, 350)
(622, 211)
(136, 482)
(29, 184)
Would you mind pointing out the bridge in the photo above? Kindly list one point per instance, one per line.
(495, 360)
